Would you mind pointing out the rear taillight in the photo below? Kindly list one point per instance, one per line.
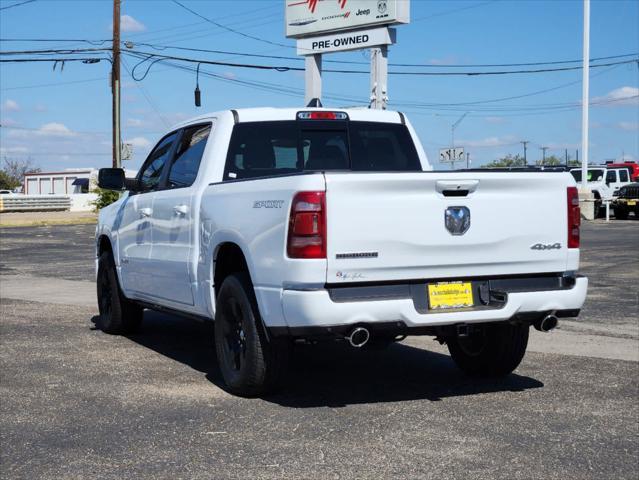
(574, 217)
(307, 226)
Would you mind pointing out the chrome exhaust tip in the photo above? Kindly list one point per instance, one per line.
(359, 337)
(546, 324)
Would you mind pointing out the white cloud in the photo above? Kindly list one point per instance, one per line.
(130, 24)
(40, 108)
(487, 142)
(629, 126)
(10, 150)
(448, 60)
(8, 122)
(620, 96)
(134, 122)
(10, 106)
(139, 142)
(496, 120)
(55, 129)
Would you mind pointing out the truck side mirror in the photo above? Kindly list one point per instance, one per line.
(111, 179)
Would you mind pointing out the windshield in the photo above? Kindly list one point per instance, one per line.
(262, 149)
(594, 175)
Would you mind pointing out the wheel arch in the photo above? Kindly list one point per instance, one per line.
(104, 244)
(228, 258)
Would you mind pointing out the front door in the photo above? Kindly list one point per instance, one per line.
(174, 220)
(135, 231)
(134, 239)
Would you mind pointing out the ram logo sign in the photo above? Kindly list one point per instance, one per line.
(457, 220)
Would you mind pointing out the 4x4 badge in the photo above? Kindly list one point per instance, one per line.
(546, 246)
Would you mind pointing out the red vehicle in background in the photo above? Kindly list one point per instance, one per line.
(633, 168)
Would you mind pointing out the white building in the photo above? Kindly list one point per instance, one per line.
(67, 182)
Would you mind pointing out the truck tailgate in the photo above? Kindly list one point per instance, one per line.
(391, 226)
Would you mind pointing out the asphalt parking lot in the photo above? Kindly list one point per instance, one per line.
(77, 403)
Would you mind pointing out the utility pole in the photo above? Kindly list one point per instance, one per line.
(452, 137)
(115, 85)
(467, 160)
(585, 96)
(525, 143)
(566, 156)
(543, 149)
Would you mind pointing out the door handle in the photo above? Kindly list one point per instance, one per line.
(145, 212)
(181, 209)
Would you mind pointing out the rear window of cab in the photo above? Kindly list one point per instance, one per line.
(263, 149)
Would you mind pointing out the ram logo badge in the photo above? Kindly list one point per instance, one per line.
(546, 246)
(457, 220)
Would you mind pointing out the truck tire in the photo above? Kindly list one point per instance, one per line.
(598, 210)
(118, 315)
(250, 364)
(494, 350)
(621, 213)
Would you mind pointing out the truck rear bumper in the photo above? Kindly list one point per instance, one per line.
(304, 309)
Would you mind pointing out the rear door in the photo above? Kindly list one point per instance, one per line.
(174, 220)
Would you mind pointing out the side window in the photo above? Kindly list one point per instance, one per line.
(623, 176)
(187, 158)
(152, 169)
(611, 176)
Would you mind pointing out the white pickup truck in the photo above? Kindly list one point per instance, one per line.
(604, 183)
(286, 225)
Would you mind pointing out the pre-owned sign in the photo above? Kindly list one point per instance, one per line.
(311, 17)
(346, 41)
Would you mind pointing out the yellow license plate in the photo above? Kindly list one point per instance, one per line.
(450, 295)
(631, 203)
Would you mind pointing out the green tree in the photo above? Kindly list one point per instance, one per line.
(14, 169)
(507, 161)
(6, 182)
(105, 197)
(551, 160)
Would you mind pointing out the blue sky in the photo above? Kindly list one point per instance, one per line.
(62, 119)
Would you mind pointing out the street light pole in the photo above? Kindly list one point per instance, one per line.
(584, 96)
(525, 143)
(452, 136)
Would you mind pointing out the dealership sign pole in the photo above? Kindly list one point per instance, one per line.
(328, 26)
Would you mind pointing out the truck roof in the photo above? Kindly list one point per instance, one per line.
(277, 114)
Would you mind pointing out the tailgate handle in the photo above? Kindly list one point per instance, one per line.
(456, 188)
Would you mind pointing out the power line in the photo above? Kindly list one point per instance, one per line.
(17, 4)
(279, 89)
(229, 29)
(60, 51)
(55, 40)
(297, 58)
(449, 12)
(155, 57)
(352, 62)
(146, 95)
(58, 84)
(54, 59)
(178, 27)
